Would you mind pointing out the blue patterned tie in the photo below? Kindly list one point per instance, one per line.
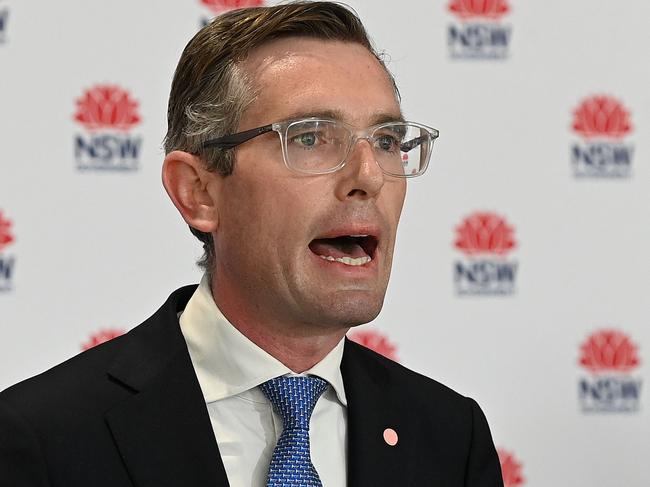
(293, 398)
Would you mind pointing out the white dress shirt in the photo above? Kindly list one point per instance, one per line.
(229, 368)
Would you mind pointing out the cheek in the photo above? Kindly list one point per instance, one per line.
(272, 211)
(393, 196)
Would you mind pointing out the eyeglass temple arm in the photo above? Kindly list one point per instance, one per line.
(233, 140)
(411, 144)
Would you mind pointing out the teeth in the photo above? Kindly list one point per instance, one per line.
(348, 260)
(358, 236)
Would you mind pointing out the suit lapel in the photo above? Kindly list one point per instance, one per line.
(371, 410)
(163, 430)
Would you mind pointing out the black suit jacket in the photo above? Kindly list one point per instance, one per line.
(131, 413)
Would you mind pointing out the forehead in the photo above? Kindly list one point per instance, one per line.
(300, 76)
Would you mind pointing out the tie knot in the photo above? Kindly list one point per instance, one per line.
(294, 398)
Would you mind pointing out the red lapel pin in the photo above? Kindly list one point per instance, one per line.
(390, 436)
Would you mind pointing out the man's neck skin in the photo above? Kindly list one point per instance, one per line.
(298, 346)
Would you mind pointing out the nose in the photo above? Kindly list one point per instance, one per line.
(361, 177)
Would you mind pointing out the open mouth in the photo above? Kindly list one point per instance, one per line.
(352, 250)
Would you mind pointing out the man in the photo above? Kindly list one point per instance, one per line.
(287, 155)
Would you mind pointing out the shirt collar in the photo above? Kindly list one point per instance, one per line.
(227, 363)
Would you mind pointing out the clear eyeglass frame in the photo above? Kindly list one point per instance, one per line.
(420, 137)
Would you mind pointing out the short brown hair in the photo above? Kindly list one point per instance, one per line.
(210, 91)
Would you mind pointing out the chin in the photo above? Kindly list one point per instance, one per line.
(352, 309)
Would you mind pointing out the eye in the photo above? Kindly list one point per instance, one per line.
(308, 139)
(387, 143)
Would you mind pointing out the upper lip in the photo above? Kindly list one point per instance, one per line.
(352, 230)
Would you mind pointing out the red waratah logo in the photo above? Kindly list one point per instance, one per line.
(107, 106)
(484, 233)
(609, 350)
(601, 116)
(219, 6)
(6, 238)
(511, 469)
(375, 341)
(467, 9)
(101, 337)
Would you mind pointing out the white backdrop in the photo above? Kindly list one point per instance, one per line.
(525, 241)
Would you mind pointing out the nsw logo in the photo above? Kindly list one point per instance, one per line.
(478, 33)
(485, 239)
(376, 341)
(609, 357)
(7, 261)
(602, 122)
(108, 114)
(511, 469)
(100, 337)
(4, 19)
(218, 7)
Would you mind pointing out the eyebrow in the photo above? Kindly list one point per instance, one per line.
(338, 115)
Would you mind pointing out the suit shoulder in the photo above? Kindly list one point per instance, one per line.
(408, 381)
(66, 382)
(84, 378)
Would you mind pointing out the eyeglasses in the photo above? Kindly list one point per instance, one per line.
(322, 146)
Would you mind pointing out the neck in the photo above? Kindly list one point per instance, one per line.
(299, 346)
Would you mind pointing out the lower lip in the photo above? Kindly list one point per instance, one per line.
(367, 270)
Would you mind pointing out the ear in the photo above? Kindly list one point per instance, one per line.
(186, 181)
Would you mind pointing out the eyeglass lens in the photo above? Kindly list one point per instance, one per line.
(321, 145)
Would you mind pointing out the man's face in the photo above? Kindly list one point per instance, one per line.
(277, 228)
